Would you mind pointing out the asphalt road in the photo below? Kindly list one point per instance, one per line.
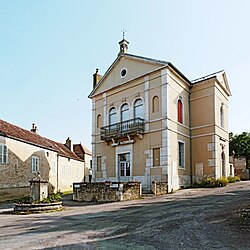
(188, 219)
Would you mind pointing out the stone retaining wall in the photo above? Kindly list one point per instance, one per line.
(13, 193)
(106, 191)
(159, 188)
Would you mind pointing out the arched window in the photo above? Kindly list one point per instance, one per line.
(222, 115)
(124, 112)
(138, 109)
(180, 111)
(98, 121)
(155, 104)
(112, 116)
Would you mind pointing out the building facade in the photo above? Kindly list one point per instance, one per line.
(150, 123)
(24, 153)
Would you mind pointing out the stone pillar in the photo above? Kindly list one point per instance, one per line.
(38, 189)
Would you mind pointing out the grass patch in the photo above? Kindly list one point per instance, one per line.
(211, 182)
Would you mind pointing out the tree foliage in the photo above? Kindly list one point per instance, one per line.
(239, 145)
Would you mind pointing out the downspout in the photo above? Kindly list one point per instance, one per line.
(57, 174)
(190, 136)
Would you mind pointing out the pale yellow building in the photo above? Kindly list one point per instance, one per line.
(24, 153)
(151, 123)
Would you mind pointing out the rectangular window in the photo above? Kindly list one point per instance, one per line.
(156, 156)
(3, 154)
(79, 171)
(99, 163)
(124, 164)
(35, 164)
(53, 167)
(69, 170)
(63, 170)
(181, 154)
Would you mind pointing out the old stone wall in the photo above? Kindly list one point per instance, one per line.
(106, 191)
(242, 173)
(13, 193)
(159, 188)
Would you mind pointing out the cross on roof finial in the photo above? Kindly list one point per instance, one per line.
(123, 33)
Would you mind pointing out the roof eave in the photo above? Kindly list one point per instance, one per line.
(163, 63)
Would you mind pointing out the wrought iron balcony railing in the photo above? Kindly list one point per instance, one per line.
(121, 129)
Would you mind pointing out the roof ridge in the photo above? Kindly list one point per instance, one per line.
(147, 58)
(15, 132)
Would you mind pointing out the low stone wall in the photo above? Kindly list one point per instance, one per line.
(159, 188)
(242, 173)
(37, 207)
(106, 191)
(13, 193)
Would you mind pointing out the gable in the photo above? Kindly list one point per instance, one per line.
(132, 67)
(222, 78)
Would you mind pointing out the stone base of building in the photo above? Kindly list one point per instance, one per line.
(13, 193)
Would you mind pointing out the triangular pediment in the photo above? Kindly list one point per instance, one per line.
(125, 68)
(222, 78)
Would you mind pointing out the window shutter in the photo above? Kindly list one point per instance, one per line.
(1, 153)
(5, 154)
(37, 164)
(180, 111)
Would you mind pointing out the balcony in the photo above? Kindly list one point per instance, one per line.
(122, 129)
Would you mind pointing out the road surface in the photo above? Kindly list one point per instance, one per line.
(187, 219)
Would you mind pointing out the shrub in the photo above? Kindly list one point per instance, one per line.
(208, 182)
(221, 182)
(211, 182)
(52, 198)
(233, 179)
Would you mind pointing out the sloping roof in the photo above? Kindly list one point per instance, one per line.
(11, 131)
(221, 78)
(80, 149)
(141, 58)
(206, 77)
(147, 59)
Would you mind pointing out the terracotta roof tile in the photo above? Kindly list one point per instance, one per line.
(14, 132)
(79, 149)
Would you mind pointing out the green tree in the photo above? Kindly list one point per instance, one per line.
(239, 145)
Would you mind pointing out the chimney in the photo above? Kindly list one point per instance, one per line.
(34, 128)
(123, 46)
(96, 78)
(69, 144)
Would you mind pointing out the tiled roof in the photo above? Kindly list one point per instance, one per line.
(14, 132)
(80, 149)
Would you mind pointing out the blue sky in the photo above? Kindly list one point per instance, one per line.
(50, 49)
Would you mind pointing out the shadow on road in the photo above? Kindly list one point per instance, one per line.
(184, 222)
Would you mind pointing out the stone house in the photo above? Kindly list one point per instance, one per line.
(23, 153)
(239, 163)
(151, 123)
